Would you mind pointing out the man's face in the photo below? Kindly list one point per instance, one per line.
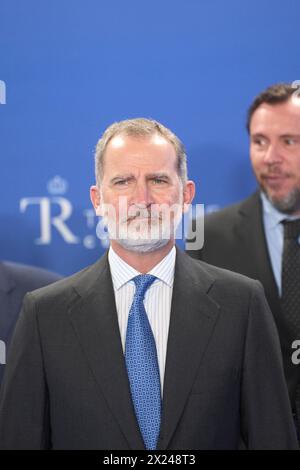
(139, 185)
(275, 153)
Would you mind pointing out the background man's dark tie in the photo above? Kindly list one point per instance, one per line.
(290, 299)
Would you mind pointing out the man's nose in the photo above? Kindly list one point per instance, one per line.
(272, 154)
(141, 194)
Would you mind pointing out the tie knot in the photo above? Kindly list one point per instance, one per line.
(291, 228)
(142, 282)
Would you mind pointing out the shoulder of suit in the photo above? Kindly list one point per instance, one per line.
(220, 276)
(62, 288)
(232, 210)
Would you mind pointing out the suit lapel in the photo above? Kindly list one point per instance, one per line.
(193, 317)
(251, 229)
(94, 319)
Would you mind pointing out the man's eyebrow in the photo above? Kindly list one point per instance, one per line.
(129, 176)
(121, 177)
(158, 175)
(290, 134)
(282, 136)
(257, 134)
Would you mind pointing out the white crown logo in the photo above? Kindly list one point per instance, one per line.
(57, 185)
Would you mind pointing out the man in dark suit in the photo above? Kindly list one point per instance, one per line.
(248, 237)
(15, 281)
(147, 348)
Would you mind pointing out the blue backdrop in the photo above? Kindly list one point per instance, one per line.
(70, 68)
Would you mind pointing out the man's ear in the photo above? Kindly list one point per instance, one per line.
(188, 194)
(96, 199)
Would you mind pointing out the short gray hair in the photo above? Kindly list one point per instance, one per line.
(139, 127)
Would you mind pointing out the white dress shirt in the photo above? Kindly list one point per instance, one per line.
(157, 300)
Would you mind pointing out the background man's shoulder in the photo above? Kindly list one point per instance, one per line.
(226, 214)
(232, 281)
(25, 277)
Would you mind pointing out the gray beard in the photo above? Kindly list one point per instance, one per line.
(142, 246)
(289, 204)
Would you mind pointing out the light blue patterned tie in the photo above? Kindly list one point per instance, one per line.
(142, 365)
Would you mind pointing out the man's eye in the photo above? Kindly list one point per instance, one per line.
(289, 141)
(158, 181)
(121, 182)
(259, 142)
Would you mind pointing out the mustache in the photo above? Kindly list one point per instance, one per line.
(136, 213)
(274, 172)
(149, 217)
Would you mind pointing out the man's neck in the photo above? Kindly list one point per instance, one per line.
(142, 262)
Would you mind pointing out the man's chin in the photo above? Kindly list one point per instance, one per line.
(142, 245)
(288, 203)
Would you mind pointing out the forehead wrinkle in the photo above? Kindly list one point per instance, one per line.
(124, 157)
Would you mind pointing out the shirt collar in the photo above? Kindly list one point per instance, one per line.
(122, 272)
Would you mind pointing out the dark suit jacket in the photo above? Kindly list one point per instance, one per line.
(15, 281)
(66, 385)
(234, 239)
